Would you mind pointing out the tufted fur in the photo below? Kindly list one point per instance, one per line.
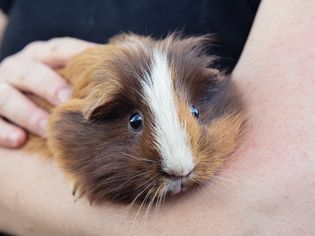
(89, 135)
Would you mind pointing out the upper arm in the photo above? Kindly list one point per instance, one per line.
(5, 6)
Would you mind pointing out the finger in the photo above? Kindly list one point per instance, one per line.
(17, 108)
(57, 52)
(37, 78)
(10, 135)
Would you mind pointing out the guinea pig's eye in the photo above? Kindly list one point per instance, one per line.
(135, 121)
(194, 111)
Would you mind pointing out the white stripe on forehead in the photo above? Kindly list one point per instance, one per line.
(170, 138)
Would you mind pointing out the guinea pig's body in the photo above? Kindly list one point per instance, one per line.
(147, 119)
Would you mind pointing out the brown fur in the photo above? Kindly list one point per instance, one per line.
(89, 136)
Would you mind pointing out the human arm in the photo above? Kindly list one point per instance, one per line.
(270, 182)
(3, 23)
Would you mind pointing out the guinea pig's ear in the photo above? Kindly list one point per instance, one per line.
(108, 111)
(109, 108)
(103, 101)
(96, 110)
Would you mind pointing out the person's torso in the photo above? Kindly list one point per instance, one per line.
(98, 20)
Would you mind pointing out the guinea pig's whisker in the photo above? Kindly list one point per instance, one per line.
(217, 184)
(148, 186)
(111, 181)
(104, 183)
(143, 184)
(127, 181)
(143, 201)
(156, 196)
(158, 201)
(209, 187)
(146, 214)
(139, 158)
(225, 179)
(198, 181)
(161, 199)
(163, 196)
(206, 183)
(135, 199)
(108, 182)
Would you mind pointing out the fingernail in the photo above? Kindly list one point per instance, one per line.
(42, 126)
(64, 94)
(14, 138)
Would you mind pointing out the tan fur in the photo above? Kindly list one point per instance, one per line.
(226, 135)
(78, 73)
(89, 137)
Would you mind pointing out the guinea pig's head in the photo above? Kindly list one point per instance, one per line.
(148, 118)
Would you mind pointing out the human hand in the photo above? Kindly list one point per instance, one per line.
(32, 70)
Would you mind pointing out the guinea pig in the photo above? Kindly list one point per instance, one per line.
(147, 118)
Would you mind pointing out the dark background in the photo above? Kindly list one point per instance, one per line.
(98, 20)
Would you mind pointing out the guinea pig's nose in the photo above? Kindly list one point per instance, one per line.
(176, 174)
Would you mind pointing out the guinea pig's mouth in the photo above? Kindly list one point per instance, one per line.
(176, 186)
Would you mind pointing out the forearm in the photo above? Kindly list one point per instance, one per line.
(271, 179)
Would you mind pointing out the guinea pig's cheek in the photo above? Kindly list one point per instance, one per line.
(220, 140)
(226, 131)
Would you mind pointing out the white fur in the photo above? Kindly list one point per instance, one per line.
(170, 138)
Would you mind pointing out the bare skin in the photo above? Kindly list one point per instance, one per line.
(3, 23)
(35, 63)
(267, 188)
